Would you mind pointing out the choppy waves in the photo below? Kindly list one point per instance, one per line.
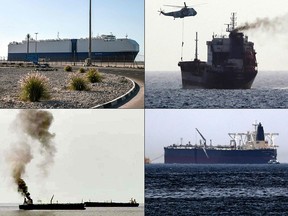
(164, 90)
(216, 189)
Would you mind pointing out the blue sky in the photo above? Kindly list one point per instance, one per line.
(70, 18)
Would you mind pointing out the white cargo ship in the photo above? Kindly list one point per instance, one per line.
(104, 48)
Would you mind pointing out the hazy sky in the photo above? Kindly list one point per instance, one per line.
(100, 156)
(70, 18)
(167, 127)
(163, 35)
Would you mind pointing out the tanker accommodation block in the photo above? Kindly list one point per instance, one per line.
(104, 48)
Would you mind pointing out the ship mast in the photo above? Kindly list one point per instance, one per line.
(232, 25)
(196, 48)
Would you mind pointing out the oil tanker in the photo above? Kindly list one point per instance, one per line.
(231, 63)
(132, 203)
(53, 206)
(253, 147)
(29, 205)
(104, 48)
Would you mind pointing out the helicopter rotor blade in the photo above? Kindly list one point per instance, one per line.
(189, 6)
(176, 6)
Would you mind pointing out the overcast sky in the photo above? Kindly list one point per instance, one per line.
(100, 156)
(70, 18)
(163, 34)
(167, 127)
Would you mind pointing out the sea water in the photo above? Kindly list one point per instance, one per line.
(216, 189)
(164, 90)
(13, 210)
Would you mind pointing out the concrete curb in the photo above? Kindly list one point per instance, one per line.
(113, 103)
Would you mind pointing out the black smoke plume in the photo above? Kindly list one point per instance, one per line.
(277, 24)
(31, 125)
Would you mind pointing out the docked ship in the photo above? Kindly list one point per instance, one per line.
(104, 48)
(253, 147)
(132, 203)
(231, 63)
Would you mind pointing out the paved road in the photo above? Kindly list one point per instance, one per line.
(138, 76)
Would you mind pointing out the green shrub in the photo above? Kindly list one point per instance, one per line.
(78, 83)
(68, 68)
(93, 75)
(82, 70)
(34, 87)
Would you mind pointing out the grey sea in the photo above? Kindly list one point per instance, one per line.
(12, 210)
(164, 90)
(195, 189)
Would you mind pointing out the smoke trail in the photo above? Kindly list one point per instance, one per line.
(31, 124)
(36, 124)
(20, 157)
(277, 24)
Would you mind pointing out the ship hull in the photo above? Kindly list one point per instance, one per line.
(215, 156)
(124, 50)
(79, 56)
(204, 76)
(111, 204)
(55, 206)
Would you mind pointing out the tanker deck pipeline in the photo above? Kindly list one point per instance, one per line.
(254, 147)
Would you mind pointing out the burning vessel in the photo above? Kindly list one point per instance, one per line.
(254, 147)
(132, 203)
(231, 63)
(28, 205)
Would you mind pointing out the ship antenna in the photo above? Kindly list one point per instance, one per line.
(233, 21)
(196, 48)
(255, 125)
(232, 25)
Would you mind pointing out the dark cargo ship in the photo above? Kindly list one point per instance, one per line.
(254, 147)
(28, 205)
(53, 206)
(132, 203)
(231, 63)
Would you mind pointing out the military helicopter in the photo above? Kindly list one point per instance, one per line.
(184, 12)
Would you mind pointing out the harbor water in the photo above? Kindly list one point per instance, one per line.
(216, 189)
(164, 90)
(12, 210)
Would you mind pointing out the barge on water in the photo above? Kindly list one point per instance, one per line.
(132, 203)
(28, 205)
(253, 147)
(53, 206)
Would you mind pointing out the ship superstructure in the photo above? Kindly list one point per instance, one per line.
(231, 63)
(252, 147)
(104, 48)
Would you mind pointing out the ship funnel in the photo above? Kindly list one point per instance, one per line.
(260, 133)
